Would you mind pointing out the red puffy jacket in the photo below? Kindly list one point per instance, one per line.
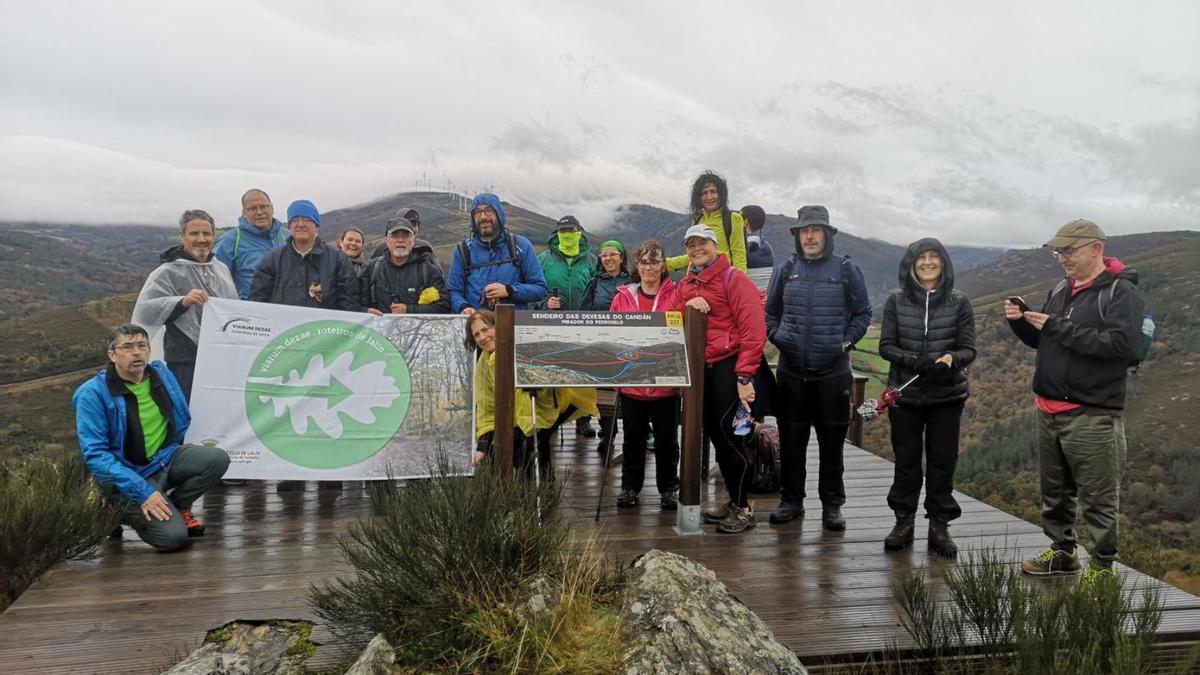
(736, 323)
(665, 300)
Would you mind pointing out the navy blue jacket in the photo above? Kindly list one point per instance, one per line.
(287, 278)
(808, 316)
(105, 411)
(759, 254)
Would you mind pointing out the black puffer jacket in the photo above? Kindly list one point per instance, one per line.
(920, 326)
(383, 282)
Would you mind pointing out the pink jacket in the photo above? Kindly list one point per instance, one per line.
(626, 300)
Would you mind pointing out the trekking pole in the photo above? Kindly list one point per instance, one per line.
(537, 456)
(612, 431)
(872, 408)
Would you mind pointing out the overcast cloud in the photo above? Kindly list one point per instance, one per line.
(981, 123)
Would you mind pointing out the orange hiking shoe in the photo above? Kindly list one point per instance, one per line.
(195, 526)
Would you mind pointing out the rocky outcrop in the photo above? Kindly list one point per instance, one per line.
(251, 648)
(677, 618)
(377, 659)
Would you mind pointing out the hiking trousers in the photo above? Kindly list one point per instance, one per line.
(639, 416)
(801, 406)
(720, 405)
(1081, 458)
(931, 432)
(194, 470)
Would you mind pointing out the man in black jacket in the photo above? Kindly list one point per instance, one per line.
(407, 280)
(1085, 337)
(306, 271)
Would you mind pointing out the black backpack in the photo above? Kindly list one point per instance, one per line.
(1141, 344)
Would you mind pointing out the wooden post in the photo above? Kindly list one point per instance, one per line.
(505, 382)
(695, 327)
(858, 393)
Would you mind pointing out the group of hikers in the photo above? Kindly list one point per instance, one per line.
(132, 417)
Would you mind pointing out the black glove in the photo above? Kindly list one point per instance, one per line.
(941, 367)
(923, 364)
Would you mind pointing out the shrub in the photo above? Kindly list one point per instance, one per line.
(998, 621)
(445, 567)
(49, 511)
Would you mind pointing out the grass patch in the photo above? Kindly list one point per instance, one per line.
(49, 511)
(475, 574)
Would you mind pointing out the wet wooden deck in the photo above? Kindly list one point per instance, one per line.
(826, 595)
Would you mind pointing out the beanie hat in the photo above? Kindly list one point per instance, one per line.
(302, 208)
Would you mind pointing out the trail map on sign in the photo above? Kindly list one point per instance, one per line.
(600, 349)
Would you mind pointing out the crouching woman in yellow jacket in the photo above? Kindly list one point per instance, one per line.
(555, 407)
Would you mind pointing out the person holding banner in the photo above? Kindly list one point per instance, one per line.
(174, 294)
(644, 408)
(554, 407)
(733, 356)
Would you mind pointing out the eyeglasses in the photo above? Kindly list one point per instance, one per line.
(132, 346)
(650, 263)
(262, 208)
(1069, 251)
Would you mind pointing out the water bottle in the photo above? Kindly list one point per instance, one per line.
(1148, 326)
(743, 424)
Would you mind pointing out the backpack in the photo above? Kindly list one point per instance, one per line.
(1145, 336)
(763, 447)
(514, 257)
(727, 225)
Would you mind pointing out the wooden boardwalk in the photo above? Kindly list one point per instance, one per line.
(826, 595)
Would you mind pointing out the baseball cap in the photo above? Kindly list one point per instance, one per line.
(1076, 232)
(396, 225)
(702, 231)
(567, 221)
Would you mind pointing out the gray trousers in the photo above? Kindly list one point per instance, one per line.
(194, 470)
(1081, 459)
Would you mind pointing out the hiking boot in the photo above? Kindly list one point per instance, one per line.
(583, 427)
(650, 442)
(627, 498)
(616, 459)
(939, 539)
(195, 526)
(1097, 573)
(289, 486)
(116, 533)
(234, 481)
(832, 519)
(1051, 562)
(329, 485)
(786, 512)
(719, 515)
(901, 536)
(738, 521)
(669, 500)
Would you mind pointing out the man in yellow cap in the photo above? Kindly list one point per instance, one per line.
(1086, 336)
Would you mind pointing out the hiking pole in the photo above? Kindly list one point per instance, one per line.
(612, 431)
(537, 456)
(872, 408)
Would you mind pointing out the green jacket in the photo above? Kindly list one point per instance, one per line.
(569, 276)
(736, 250)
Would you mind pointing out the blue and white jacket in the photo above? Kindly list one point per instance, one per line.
(243, 248)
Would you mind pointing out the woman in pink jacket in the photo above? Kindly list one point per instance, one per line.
(644, 408)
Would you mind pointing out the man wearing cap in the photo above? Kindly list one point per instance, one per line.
(758, 249)
(414, 219)
(817, 309)
(307, 272)
(568, 265)
(243, 248)
(493, 265)
(406, 281)
(1085, 337)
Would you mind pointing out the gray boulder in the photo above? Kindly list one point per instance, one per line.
(251, 648)
(377, 659)
(678, 618)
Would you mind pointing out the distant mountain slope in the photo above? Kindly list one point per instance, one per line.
(52, 265)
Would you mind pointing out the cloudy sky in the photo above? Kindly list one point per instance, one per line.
(982, 123)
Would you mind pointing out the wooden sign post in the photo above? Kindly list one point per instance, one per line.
(695, 327)
(505, 397)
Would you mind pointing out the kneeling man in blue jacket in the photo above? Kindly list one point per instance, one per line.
(131, 419)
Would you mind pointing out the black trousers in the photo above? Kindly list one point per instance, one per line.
(184, 373)
(543, 443)
(802, 405)
(932, 431)
(640, 415)
(720, 405)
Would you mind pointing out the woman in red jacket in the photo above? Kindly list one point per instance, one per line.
(646, 407)
(737, 332)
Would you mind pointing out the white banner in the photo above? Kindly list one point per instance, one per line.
(315, 394)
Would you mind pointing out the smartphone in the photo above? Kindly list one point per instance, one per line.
(1016, 300)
